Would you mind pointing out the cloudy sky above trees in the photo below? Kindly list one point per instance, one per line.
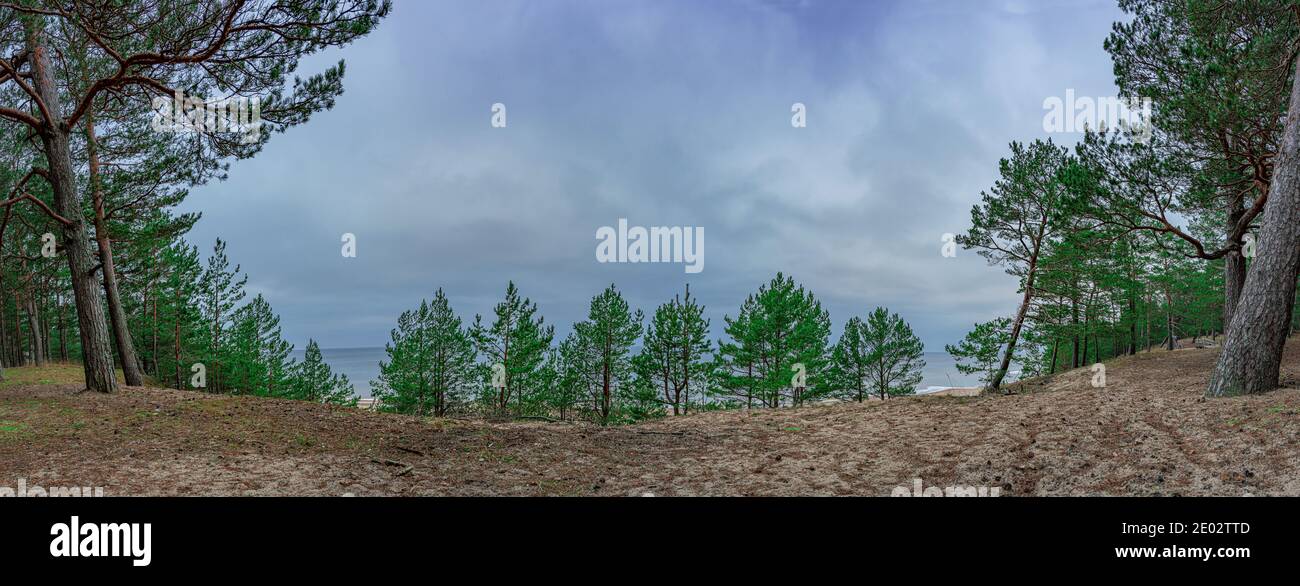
(667, 113)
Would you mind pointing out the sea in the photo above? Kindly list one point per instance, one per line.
(362, 365)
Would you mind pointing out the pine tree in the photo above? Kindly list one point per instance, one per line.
(240, 48)
(672, 358)
(573, 376)
(430, 366)
(734, 362)
(978, 352)
(220, 291)
(781, 333)
(314, 381)
(1219, 73)
(608, 334)
(516, 340)
(151, 231)
(179, 322)
(257, 358)
(1017, 220)
(896, 353)
(879, 355)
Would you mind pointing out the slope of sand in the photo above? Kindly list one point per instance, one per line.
(1149, 432)
(956, 392)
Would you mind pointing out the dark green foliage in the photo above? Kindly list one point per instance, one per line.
(517, 340)
(780, 331)
(255, 357)
(314, 381)
(978, 353)
(430, 367)
(672, 359)
(878, 356)
(607, 336)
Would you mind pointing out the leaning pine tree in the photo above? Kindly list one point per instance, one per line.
(1015, 223)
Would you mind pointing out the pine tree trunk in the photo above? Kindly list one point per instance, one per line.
(152, 295)
(996, 383)
(20, 358)
(1234, 266)
(1132, 326)
(63, 334)
(1251, 359)
(176, 338)
(1169, 321)
(33, 324)
(1074, 321)
(5, 357)
(605, 393)
(121, 333)
(97, 355)
(1083, 358)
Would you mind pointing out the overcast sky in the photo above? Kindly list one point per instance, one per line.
(667, 113)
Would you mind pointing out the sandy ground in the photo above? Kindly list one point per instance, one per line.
(957, 392)
(1148, 432)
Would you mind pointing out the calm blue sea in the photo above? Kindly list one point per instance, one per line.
(362, 365)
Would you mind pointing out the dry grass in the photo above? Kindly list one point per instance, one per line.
(53, 373)
(1149, 432)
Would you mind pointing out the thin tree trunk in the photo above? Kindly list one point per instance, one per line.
(20, 357)
(121, 333)
(33, 324)
(1083, 358)
(43, 316)
(1234, 264)
(6, 358)
(63, 333)
(1074, 321)
(1251, 359)
(996, 383)
(1169, 320)
(1132, 325)
(153, 296)
(176, 338)
(605, 392)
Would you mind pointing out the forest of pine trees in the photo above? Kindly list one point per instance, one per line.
(1140, 237)
(94, 267)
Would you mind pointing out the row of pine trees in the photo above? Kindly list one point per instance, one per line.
(619, 366)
